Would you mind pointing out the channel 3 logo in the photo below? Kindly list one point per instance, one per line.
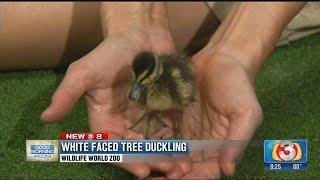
(286, 151)
(285, 155)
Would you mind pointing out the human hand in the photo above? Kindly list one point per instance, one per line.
(100, 76)
(226, 109)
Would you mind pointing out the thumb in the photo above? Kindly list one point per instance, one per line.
(140, 170)
(73, 86)
(241, 131)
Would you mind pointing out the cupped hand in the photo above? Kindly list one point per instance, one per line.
(101, 76)
(226, 109)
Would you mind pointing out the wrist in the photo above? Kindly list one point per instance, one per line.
(250, 55)
(224, 52)
(144, 24)
(119, 18)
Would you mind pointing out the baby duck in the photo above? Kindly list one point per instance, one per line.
(161, 83)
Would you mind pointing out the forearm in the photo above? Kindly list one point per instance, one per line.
(142, 22)
(251, 31)
(121, 17)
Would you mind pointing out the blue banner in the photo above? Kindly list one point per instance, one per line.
(123, 147)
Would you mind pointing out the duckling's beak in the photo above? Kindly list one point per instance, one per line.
(136, 92)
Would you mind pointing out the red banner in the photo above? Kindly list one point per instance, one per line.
(84, 136)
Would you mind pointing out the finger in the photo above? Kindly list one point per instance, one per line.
(185, 163)
(203, 170)
(241, 131)
(137, 169)
(210, 155)
(179, 166)
(141, 171)
(73, 86)
(156, 178)
(196, 156)
(173, 167)
(176, 173)
(164, 166)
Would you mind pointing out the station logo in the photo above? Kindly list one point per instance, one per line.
(286, 151)
(286, 155)
(42, 150)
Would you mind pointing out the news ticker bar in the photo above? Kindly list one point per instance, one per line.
(96, 147)
(131, 151)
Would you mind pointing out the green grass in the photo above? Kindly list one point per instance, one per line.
(288, 88)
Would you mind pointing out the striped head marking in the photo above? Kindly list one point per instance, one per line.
(146, 69)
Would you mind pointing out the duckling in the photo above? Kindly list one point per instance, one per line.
(161, 83)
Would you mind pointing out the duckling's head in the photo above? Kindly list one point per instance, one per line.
(146, 69)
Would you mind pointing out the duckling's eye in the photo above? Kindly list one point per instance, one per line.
(143, 65)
